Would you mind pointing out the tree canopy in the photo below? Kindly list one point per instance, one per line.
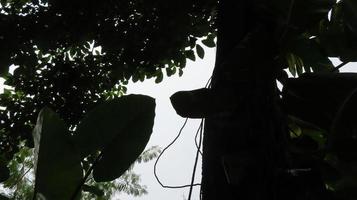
(74, 56)
(53, 44)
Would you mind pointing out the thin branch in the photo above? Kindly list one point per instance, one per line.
(285, 31)
(339, 66)
(21, 177)
(196, 161)
(83, 181)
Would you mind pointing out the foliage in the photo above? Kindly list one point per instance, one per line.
(58, 155)
(20, 184)
(71, 56)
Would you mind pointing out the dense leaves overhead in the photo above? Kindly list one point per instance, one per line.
(73, 55)
(137, 34)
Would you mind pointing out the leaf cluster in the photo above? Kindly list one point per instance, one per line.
(105, 145)
(72, 56)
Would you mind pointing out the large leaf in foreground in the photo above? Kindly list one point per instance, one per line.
(4, 171)
(120, 128)
(57, 165)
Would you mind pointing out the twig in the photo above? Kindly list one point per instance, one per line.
(83, 181)
(21, 177)
(339, 66)
(196, 161)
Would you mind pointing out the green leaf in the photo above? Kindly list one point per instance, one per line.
(200, 51)
(58, 169)
(209, 41)
(310, 54)
(159, 77)
(93, 189)
(120, 128)
(180, 72)
(190, 54)
(170, 71)
(291, 63)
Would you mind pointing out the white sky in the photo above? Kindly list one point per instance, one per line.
(176, 165)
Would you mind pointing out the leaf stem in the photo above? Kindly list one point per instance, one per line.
(83, 181)
(339, 66)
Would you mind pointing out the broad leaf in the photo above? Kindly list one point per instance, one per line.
(58, 171)
(3, 197)
(302, 14)
(338, 36)
(315, 98)
(120, 128)
(4, 171)
(309, 55)
(350, 14)
(343, 138)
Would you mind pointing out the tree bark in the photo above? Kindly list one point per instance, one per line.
(244, 148)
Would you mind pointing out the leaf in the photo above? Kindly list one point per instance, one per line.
(3, 197)
(4, 171)
(190, 54)
(350, 14)
(159, 77)
(180, 72)
(170, 71)
(291, 64)
(120, 128)
(93, 189)
(343, 139)
(209, 41)
(303, 14)
(58, 169)
(311, 55)
(200, 51)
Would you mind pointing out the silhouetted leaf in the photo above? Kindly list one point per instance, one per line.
(4, 171)
(200, 51)
(58, 169)
(311, 55)
(129, 143)
(209, 41)
(120, 128)
(3, 197)
(159, 77)
(343, 139)
(170, 71)
(190, 54)
(350, 14)
(180, 72)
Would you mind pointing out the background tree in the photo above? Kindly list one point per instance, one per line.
(20, 184)
(250, 133)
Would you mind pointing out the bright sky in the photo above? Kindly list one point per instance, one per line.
(176, 165)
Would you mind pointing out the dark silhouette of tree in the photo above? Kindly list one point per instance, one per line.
(259, 142)
(52, 43)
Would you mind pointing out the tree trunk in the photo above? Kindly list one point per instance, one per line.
(244, 148)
